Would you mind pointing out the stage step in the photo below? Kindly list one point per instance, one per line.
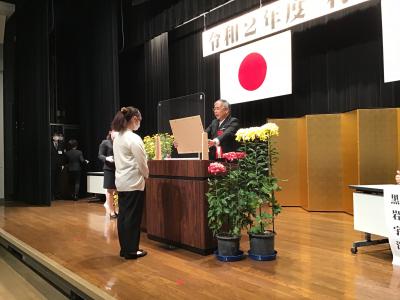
(20, 282)
(66, 282)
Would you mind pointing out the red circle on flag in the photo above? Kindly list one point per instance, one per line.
(252, 71)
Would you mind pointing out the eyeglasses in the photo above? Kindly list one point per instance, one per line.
(217, 108)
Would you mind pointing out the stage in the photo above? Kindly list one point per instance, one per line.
(314, 258)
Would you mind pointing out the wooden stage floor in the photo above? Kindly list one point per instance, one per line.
(314, 259)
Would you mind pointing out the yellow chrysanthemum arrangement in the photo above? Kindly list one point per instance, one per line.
(149, 146)
(167, 141)
(263, 133)
(256, 169)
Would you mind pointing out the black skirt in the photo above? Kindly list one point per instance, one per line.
(109, 179)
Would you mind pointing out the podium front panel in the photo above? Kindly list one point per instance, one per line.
(176, 204)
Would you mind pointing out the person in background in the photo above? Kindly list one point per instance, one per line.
(397, 177)
(74, 159)
(131, 170)
(107, 157)
(61, 142)
(222, 130)
(57, 164)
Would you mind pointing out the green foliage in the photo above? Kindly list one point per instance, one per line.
(167, 142)
(236, 200)
(228, 208)
(261, 185)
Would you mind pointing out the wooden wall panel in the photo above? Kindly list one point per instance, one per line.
(303, 161)
(349, 128)
(331, 152)
(287, 167)
(377, 145)
(324, 162)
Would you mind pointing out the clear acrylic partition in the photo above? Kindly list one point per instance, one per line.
(181, 107)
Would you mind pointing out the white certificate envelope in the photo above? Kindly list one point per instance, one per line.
(188, 134)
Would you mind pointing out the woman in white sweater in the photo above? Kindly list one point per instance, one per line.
(130, 173)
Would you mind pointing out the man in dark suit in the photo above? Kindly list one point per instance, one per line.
(222, 130)
(74, 159)
(57, 163)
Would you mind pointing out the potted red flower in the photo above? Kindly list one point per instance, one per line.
(228, 211)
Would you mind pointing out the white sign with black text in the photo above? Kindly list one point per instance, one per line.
(267, 20)
(391, 196)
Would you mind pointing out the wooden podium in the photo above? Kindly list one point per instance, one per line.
(176, 204)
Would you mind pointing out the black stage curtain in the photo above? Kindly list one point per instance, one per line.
(144, 80)
(76, 44)
(32, 103)
(9, 104)
(87, 69)
(144, 22)
(99, 96)
(132, 81)
(152, 18)
(157, 79)
(190, 72)
(337, 67)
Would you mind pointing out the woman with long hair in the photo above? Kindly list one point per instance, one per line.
(131, 170)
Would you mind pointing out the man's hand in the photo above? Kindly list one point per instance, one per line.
(211, 143)
(214, 142)
(397, 177)
(110, 159)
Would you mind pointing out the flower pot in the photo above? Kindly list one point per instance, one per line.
(228, 245)
(262, 244)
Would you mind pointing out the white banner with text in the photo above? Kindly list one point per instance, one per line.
(269, 19)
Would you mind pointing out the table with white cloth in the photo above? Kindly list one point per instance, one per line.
(95, 183)
(369, 214)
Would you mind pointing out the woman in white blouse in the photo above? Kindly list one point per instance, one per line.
(130, 173)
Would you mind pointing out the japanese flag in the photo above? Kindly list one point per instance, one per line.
(259, 70)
